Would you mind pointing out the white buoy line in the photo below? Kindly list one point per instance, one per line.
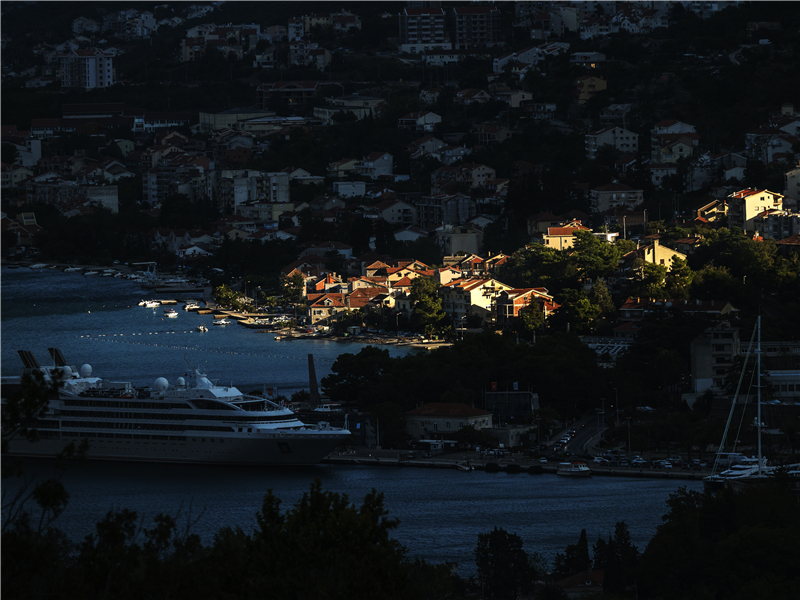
(109, 338)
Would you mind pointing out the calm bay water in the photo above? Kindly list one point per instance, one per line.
(97, 321)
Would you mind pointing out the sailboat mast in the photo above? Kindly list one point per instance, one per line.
(758, 385)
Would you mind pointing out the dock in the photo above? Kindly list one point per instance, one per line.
(517, 463)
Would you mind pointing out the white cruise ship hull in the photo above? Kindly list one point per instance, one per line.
(256, 449)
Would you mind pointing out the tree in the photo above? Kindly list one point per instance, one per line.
(325, 547)
(618, 558)
(575, 558)
(577, 313)
(678, 280)
(428, 312)
(503, 568)
(725, 545)
(593, 257)
(292, 287)
(352, 375)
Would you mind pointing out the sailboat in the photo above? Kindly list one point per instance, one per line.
(741, 470)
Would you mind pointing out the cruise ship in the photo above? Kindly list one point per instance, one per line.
(192, 420)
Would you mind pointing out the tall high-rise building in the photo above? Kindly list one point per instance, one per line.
(86, 69)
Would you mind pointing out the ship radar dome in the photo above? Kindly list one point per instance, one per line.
(161, 384)
(86, 371)
(66, 371)
(181, 382)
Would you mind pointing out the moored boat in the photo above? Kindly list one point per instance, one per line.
(192, 420)
(222, 322)
(574, 469)
(201, 328)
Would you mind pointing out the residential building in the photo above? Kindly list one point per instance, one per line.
(342, 168)
(233, 187)
(670, 139)
(454, 239)
(588, 86)
(612, 196)
(286, 92)
(791, 187)
(449, 155)
(561, 237)
(653, 253)
(349, 189)
(777, 224)
(87, 69)
(745, 205)
(436, 210)
(356, 105)
(491, 134)
(14, 175)
(420, 121)
(712, 356)
(398, 213)
(621, 139)
(474, 27)
(423, 29)
(471, 296)
(376, 164)
(264, 211)
(424, 146)
(323, 308)
(511, 303)
(442, 419)
(232, 118)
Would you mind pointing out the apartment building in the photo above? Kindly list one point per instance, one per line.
(474, 27)
(86, 69)
(423, 29)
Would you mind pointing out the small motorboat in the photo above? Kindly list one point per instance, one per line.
(171, 314)
(464, 466)
(222, 322)
(201, 327)
(574, 469)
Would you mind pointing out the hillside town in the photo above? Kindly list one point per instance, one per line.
(582, 208)
(473, 176)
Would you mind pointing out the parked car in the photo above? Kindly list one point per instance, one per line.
(638, 462)
(600, 460)
(624, 463)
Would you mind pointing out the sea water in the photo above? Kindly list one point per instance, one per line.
(96, 320)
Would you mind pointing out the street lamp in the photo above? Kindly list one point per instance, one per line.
(629, 435)
(616, 401)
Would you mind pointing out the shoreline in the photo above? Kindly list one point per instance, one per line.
(515, 465)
